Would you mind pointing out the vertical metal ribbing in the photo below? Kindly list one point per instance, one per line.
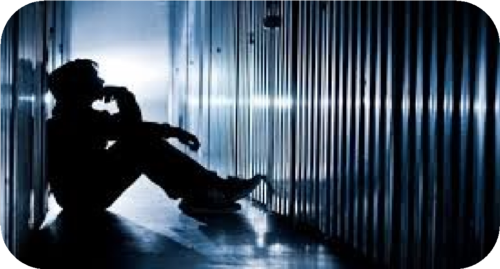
(365, 152)
(496, 205)
(316, 138)
(479, 107)
(333, 110)
(357, 190)
(330, 124)
(398, 47)
(300, 113)
(7, 77)
(293, 88)
(324, 105)
(340, 122)
(451, 139)
(368, 61)
(13, 133)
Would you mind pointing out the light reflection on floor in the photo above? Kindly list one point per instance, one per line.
(249, 239)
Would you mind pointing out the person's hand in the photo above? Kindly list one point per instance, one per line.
(189, 140)
(111, 93)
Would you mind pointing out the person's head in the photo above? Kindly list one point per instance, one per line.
(76, 82)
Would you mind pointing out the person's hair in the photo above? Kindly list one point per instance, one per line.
(70, 76)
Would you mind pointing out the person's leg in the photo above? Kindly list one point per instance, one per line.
(127, 159)
(180, 176)
(118, 172)
(175, 172)
(96, 188)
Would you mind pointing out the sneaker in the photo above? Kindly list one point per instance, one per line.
(236, 188)
(221, 198)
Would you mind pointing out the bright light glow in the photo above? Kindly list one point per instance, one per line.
(48, 99)
(348, 102)
(388, 103)
(221, 101)
(366, 102)
(480, 107)
(448, 105)
(193, 101)
(261, 229)
(31, 220)
(129, 72)
(52, 206)
(405, 105)
(376, 103)
(141, 72)
(464, 105)
(432, 105)
(261, 241)
(111, 107)
(260, 101)
(419, 104)
(284, 102)
(27, 98)
(357, 103)
(277, 249)
(325, 103)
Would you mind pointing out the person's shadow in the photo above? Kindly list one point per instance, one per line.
(231, 228)
(107, 240)
(240, 229)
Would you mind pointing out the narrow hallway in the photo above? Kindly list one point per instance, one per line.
(148, 231)
(376, 125)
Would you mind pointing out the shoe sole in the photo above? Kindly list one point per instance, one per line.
(230, 208)
(248, 191)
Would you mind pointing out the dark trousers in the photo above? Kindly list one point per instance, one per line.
(176, 173)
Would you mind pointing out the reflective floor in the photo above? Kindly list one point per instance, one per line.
(145, 230)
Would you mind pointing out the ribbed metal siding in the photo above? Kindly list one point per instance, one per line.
(376, 122)
(25, 54)
(7, 79)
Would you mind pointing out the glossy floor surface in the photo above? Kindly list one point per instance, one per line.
(143, 229)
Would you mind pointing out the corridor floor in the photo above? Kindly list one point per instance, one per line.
(145, 230)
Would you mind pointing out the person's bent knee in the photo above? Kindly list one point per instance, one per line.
(82, 206)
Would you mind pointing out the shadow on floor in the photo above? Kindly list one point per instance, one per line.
(238, 229)
(147, 231)
(107, 240)
(231, 226)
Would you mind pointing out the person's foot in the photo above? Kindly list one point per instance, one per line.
(222, 198)
(236, 188)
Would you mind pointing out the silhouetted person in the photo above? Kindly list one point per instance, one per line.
(87, 175)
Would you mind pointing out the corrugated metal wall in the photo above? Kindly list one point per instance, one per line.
(7, 53)
(202, 96)
(28, 43)
(376, 122)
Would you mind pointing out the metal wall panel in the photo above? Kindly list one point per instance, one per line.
(376, 122)
(26, 54)
(7, 81)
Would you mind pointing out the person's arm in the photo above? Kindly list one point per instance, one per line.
(161, 130)
(155, 129)
(128, 121)
(165, 130)
(129, 110)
